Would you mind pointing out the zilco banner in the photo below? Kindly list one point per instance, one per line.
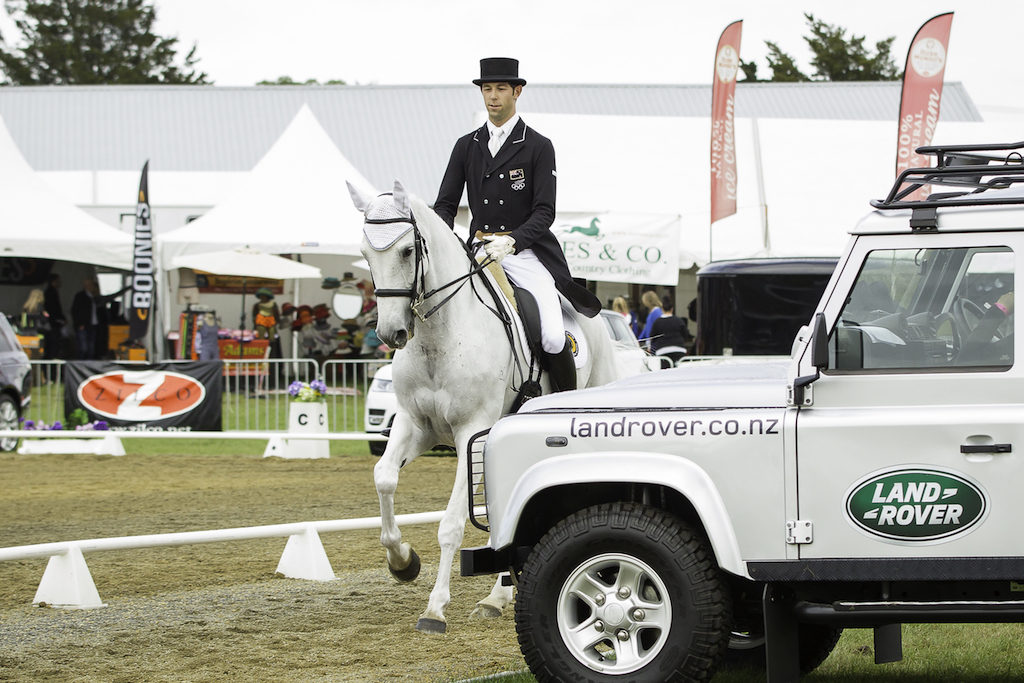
(143, 272)
(723, 108)
(922, 94)
(157, 397)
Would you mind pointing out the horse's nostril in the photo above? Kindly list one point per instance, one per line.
(400, 338)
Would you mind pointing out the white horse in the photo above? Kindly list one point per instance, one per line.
(454, 372)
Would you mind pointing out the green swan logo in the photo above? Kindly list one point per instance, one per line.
(591, 231)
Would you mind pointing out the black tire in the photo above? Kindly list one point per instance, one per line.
(377, 447)
(8, 420)
(682, 627)
(815, 643)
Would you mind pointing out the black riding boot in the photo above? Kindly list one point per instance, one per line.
(561, 367)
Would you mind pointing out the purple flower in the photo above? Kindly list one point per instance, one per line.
(294, 388)
(29, 424)
(319, 386)
(57, 426)
(101, 426)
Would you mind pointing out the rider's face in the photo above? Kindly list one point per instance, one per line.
(500, 100)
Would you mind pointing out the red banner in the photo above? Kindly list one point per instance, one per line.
(723, 107)
(922, 94)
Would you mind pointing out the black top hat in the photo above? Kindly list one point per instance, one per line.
(499, 70)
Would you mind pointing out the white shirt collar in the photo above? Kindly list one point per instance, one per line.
(507, 126)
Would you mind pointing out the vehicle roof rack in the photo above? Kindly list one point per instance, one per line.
(978, 167)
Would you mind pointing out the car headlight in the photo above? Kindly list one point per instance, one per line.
(382, 385)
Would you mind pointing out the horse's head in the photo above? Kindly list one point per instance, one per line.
(394, 249)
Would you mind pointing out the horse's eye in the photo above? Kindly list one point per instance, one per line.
(407, 252)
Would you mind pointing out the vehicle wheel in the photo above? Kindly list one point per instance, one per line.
(816, 642)
(8, 420)
(621, 591)
(377, 447)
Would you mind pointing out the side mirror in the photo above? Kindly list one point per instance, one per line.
(819, 342)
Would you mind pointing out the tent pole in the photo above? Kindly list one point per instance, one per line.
(761, 203)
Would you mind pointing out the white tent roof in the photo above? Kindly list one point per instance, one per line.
(294, 201)
(818, 177)
(36, 221)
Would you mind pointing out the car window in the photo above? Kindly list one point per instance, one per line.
(928, 309)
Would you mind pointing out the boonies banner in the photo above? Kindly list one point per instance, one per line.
(157, 397)
(620, 247)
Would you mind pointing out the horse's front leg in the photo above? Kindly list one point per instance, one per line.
(404, 445)
(449, 536)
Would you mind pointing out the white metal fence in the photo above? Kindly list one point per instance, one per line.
(255, 392)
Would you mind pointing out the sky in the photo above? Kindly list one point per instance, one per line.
(240, 42)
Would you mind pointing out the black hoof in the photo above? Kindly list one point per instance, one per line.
(431, 626)
(410, 572)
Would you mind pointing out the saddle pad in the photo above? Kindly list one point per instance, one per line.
(577, 342)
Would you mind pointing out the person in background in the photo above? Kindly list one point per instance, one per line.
(652, 303)
(85, 316)
(620, 306)
(266, 318)
(669, 333)
(33, 313)
(55, 313)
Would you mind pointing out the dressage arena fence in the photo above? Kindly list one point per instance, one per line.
(67, 583)
(255, 396)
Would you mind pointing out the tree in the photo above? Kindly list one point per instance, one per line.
(783, 66)
(287, 80)
(839, 59)
(91, 42)
(835, 57)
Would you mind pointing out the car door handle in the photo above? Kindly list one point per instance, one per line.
(986, 448)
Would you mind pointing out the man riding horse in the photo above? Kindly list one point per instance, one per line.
(508, 170)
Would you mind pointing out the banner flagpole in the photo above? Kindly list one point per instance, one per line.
(921, 95)
(143, 281)
(723, 141)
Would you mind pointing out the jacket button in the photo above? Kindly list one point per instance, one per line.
(487, 176)
(502, 227)
(501, 175)
(500, 201)
(486, 201)
(486, 227)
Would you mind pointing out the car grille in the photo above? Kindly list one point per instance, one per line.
(477, 487)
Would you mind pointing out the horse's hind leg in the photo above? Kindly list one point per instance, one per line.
(496, 601)
(404, 445)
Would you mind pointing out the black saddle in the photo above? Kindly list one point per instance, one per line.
(529, 313)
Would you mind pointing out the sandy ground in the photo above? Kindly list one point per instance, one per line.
(217, 611)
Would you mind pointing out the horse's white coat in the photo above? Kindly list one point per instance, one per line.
(453, 376)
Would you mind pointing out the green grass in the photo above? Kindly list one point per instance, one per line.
(964, 653)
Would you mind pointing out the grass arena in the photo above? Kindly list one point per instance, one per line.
(217, 611)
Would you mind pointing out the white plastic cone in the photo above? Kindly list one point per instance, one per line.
(67, 583)
(304, 558)
(275, 448)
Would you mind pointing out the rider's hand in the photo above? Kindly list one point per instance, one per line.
(499, 246)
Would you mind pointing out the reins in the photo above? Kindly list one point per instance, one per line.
(416, 292)
(418, 296)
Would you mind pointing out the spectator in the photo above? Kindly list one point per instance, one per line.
(86, 317)
(669, 333)
(650, 301)
(55, 313)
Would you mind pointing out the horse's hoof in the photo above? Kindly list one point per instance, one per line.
(485, 611)
(410, 571)
(431, 626)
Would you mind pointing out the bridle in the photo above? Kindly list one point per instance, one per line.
(417, 293)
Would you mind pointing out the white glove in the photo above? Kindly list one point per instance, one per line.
(499, 246)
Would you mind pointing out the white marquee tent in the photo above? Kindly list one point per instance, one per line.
(36, 221)
(294, 201)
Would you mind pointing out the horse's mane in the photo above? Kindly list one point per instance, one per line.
(427, 217)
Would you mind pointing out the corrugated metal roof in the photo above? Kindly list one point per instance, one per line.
(385, 131)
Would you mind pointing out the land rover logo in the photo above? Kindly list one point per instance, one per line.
(915, 504)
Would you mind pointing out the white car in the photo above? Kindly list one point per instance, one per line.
(381, 402)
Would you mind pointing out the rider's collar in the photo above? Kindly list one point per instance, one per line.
(384, 230)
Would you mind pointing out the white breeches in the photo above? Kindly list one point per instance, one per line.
(526, 271)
